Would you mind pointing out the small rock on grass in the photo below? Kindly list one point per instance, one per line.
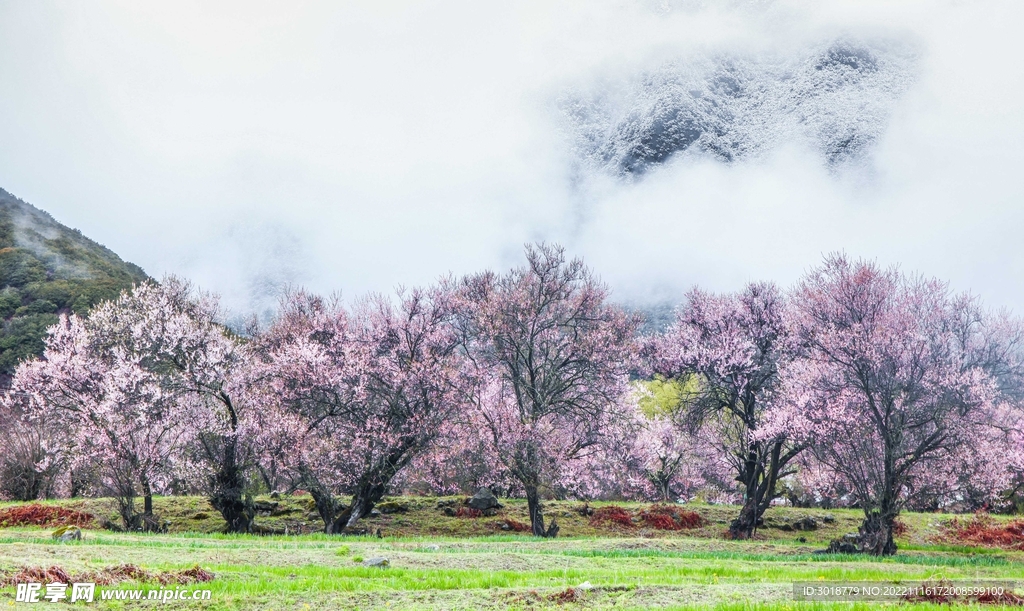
(393, 507)
(483, 500)
(67, 533)
(378, 561)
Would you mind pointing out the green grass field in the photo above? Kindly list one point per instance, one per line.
(441, 562)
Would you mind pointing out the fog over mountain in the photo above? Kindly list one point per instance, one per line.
(836, 98)
(359, 146)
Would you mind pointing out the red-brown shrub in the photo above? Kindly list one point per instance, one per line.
(690, 519)
(517, 526)
(666, 517)
(983, 530)
(1006, 599)
(36, 574)
(109, 576)
(937, 593)
(660, 521)
(468, 512)
(569, 595)
(613, 514)
(35, 514)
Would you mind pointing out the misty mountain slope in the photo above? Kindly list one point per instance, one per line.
(47, 268)
(836, 97)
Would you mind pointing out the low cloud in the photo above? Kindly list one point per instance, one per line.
(359, 147)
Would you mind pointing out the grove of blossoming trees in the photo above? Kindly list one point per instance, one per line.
(861, 386)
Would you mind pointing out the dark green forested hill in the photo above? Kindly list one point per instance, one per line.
(45, 269)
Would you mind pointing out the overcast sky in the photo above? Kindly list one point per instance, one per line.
(359, 145)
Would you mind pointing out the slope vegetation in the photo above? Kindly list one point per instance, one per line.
(46, 269)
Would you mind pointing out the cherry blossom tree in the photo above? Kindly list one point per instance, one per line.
(458, 462)
(372, 386)
(197, 360)
(900, 376)
(737, 347)
(193, 358)
(32, 458)
(115, 413)
(816, 485)
(552, 360)
(139, 381)
(305, 373)
(975, 476)
(650, 456)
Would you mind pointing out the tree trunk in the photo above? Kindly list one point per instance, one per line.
(147, 498)
(745, 524)
(237, 510)
(536, 514)
(326, 506)
(875, 534)
(147, 522)
(374, 484)
(79, 484)
(125, 497)
(664, 485)
(363, 501)
(759, 481)
(228, 496)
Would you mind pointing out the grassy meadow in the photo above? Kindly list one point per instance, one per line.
(444, 562)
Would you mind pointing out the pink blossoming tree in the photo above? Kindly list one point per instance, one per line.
(737, 347)
(32, 455)
(137, 382)
(371, 387)
(552, 360)
(900, 378)
(652, 457)
(116, 414)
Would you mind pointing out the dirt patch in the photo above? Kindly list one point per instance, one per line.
(106, 577)
(43, 515)
(529, 598)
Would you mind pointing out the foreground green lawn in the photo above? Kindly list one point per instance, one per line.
(627, 570)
